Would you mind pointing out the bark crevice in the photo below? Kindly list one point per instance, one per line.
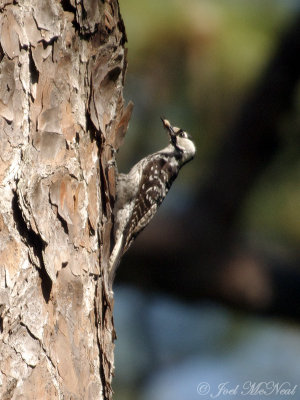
(34, 73)
(106, 391)
(36, 243)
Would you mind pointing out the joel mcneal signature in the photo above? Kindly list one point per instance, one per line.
(248, 388)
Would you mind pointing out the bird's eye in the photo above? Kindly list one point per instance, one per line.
(183, 134)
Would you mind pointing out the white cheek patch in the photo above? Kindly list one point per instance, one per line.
(188, 148)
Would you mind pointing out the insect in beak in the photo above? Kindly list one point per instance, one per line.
(169, 128)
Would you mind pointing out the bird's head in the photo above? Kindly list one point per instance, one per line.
(181, 141)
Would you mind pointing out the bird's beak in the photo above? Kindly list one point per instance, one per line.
(169, 128)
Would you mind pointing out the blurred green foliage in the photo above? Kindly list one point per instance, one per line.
(194, 62)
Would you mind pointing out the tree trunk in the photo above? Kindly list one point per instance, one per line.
(61, 115)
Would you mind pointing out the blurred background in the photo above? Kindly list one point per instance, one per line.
(210, 291)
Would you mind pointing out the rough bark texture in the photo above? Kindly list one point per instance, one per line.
(61, 111)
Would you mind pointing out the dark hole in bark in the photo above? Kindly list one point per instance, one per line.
(34, 73)
(114, 74)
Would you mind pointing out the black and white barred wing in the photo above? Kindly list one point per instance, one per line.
(158, 176)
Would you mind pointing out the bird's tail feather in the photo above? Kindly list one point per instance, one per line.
(114, 259)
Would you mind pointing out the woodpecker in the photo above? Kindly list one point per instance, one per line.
(142, 190)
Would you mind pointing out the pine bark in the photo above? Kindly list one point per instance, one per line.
(61, 114)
